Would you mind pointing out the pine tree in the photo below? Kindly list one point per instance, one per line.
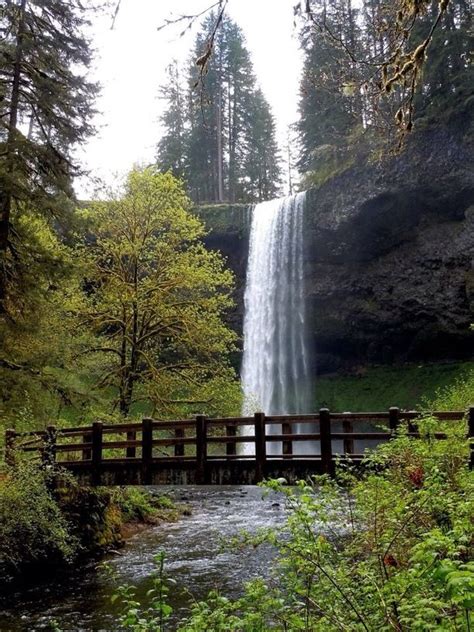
(226, 115)
(329, 105)
(447, 86)
(171, 147)
(262, 158)
(44, 112)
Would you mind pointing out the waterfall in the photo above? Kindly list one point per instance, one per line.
(276, 363)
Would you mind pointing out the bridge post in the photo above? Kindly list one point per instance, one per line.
(49, 451)
(97, 433)
(179, 447)
(231, 448)
(348, 426)
(131, 452)
(201, 449)
(10, 447)
(147, 450)
(325, 440)
(393, 419)
(87, 452)
(287, 445)
(260, 446)
(471, 435)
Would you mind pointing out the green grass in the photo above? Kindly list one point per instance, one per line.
(378, 388)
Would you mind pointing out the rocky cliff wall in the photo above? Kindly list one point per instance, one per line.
(389, 256)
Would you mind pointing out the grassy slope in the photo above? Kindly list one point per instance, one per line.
(378, 388)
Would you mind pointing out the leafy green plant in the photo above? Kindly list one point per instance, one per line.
(32, 526)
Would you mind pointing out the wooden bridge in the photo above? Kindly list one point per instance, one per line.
(205, 450)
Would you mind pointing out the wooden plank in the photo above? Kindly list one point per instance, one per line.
(325, 441)
(96, 452)
(271, 419)
(380, 416)
(361, 435)
(201, 448)
(87, 452)
(260, 446)
(236, 439)
(131, 451)
(171, 425)
(120, 428)
(223, 421)
(310, 436)
(175, 441)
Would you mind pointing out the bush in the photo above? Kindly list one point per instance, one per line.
(456, 396)
(385, 548)
(32, 526)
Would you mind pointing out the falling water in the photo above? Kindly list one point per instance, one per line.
(275, 369)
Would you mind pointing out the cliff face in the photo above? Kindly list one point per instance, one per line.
(389, 257)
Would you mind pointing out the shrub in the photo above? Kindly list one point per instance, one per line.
(32, 527)
(385, 548)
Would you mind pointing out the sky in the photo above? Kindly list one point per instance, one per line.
(131, 61)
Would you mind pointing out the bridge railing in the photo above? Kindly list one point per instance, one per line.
(319, 437)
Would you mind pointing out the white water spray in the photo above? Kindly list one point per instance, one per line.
(276, 363)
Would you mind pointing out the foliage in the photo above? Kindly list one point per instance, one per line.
(45, 108)
(354, 53)
(388, 548)
(157, 299)
(456, 396)
(38, 344)
(139, 505)
(32, 526)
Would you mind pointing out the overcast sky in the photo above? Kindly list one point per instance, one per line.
(131, 61)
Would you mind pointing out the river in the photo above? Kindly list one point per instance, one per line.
(198, 558)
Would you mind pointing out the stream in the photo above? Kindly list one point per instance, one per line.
(196, 558)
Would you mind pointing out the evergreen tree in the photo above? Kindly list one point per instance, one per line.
(329, 104)
(447, 85)
(44, 111)
(171, 147)
(226, 115)
(261, 161)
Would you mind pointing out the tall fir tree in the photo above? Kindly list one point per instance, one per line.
(171, 149)
(328, 103)
(45, 111)
(226, 116)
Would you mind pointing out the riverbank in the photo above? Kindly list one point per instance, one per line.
(48, 523)
(198, 557)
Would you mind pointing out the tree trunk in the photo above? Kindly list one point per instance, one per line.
(220, 152)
